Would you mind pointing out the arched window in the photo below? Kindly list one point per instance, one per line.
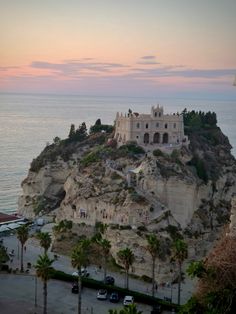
(159, 114)
(166, 125)
(174, 125)
(138, 125)
(156, 138)
(157, 124)
(146, 125)
(165, 138)
(155, 114)
(146, 138)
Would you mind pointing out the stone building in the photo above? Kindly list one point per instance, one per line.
(151, 131)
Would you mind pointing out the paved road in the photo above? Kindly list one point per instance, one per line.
(63, 263)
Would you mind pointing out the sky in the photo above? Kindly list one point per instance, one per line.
(125, 47)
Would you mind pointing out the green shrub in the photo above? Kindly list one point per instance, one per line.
(174, 232)
(142, 228)
(158, 153)
(90, 158)
(95, 284)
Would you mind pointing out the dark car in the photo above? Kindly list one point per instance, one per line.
(156, 309)
(75, 288)
(109, 280)
(114, 297)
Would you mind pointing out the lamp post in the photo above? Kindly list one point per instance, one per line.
(35, 291)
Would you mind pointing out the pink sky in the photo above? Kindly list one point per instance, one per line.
(134, 47)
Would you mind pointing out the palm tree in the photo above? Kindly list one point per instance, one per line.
(127, 258)
(105, 246)
(180, 253)
(22, 236)
(79, 259)
(44, 271)
(45, 240)
(153, 248)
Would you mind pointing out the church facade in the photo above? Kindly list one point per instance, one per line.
(151, 131)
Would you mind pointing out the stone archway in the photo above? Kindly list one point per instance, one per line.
(146, 138)
(165, 138)
(156, 138)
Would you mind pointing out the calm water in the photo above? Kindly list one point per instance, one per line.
(28, 122)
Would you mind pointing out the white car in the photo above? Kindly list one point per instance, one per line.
(102, 294)
(84, 273)
(128, 300)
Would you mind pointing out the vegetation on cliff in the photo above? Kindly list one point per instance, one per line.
(209, 146)
(216, 292)
(76, 139)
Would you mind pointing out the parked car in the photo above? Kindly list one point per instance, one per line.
(75, 288)
(128, 300)
(102, 294)
(84, 273)
(156, 309)
(109, 280)
(114, 297)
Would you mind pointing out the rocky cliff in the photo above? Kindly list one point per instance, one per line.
(89, 180)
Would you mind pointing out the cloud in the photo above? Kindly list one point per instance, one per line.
(148, 57)
(76, 67)
(6, 68)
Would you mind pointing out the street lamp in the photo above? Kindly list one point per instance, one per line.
(35, 290)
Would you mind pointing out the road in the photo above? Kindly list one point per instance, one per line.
(64, 263)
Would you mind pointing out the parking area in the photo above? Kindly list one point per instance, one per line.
(17, 295)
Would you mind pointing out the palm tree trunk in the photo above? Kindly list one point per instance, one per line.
(79, 292)
(21, 258)
(153, 277)
(45, 294)
(127, 279)
(105, 268)
(179, 282)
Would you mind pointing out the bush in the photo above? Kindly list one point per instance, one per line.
(95, 284)
(158, 153)
(90, 158)
(174, 232)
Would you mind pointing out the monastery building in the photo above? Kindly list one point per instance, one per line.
(151, 131)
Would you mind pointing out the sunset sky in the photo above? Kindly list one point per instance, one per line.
(118, 47)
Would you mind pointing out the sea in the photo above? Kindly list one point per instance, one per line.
(29, 121)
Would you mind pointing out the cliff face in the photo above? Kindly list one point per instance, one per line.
(135, 193)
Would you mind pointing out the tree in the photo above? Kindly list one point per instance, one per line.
(56, 140)
(22, 236)
(216, 290)
(72, 131)
(130, 309)
(153, 248)
(126, 257)
(79, 259)
(45, 240)
(105, 246)
(81, 132)
(180, 253)
(44, 271)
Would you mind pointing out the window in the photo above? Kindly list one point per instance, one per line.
(157, 125)
(118, 123)
(166, 126)
(146, 125)
(174, 125)
(155, 114)
(137, 125)
(159, 114)
(137, 136)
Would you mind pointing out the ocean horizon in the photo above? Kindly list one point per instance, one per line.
(29, 121)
